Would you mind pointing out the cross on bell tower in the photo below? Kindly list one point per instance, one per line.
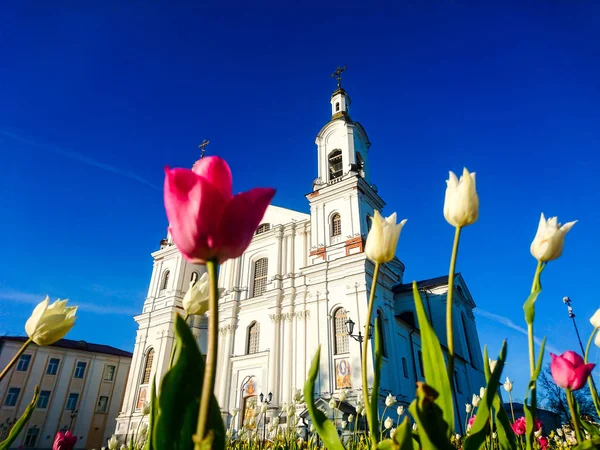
(338, 74)
(202, 147)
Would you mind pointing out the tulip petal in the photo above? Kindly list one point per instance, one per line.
(240, 220)
(573, 357)
(562, 371)
(216, 171)
(194, 208)
(581, 375)
(38, 312)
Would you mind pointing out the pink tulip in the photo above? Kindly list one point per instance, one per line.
(206, 221)
(520, 426)
(64, 441)
(543, 441)
(472, 420)
(569, 370)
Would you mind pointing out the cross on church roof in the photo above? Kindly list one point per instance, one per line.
(203, 147)
(338, 74)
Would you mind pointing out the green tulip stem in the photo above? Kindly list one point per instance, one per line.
(590, 380)
(574, 417)
(365, 386)
(15, 358)
(589, 344)
(512, 411)
(208, 384)
(535, 286)
(449, 330)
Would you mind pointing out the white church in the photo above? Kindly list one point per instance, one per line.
(304, 281)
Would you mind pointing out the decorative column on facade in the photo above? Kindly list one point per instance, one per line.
(287, 357)
(225, 378)
(274, 359)
(280, 268)
(301, 369)
(136, 364)
(290, 252)
(283, 255)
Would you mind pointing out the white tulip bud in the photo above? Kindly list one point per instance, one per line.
(332, 403)
(494, 435)
(468, 408)
(414, 426)
(343, 395)
(595, 319)
(49, 323)
(537, 433)
(113, 443)
(298, 396)
(508, 386)
(145, 408)
(550, 238)
(351, 418)
(493, 364)
(195, 300)
(312, 428)
(457, 436)
(481, 392)
(390, 400)
(392, 433)
(382, 240)
(475, 401)
(461, 206)
(400, 410)
(344, 424)
(388, 423)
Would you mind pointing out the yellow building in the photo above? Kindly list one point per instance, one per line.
(81, 389)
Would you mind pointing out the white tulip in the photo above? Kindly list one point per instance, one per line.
(332, 403)
(195, 300)
(468, 408)
(235, 411)
(400, 410)
(343, 395)
(344, 424)
(461, 205)
(275, 422)
(493, 363)
(145, 408)
(559, 431)
(457, 436)
(549, 239)
(351, 418)
(359, 409)
(481, 392)
(494, 435)
(390, 400)
(388, 423)
(49, 323)
(508, 386)
(123, 447)
(392, 433)
(298, 396)
(383, 238)
(537, 433)
(143, 429)
(414, 427)
(595, 319)
(113, 443)
(475, 401)
(312, 428)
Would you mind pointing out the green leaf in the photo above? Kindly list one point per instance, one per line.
(326, 429)
(374, 404)
(403, 436)
(589, 444)
(434, 364)
(506, 435)
(480, 428)
(593, 430)
(529, 305)
(531, 408)
(179, 398)
(19, 424)
(432, 429)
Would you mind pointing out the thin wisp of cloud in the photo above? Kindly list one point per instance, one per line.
(76, 156)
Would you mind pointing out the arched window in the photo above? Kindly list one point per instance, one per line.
(148, 366)
(337, 106)
(342, 344)
(165, 282)
(336, 225)
(194, 278)
(335, 165)
(369, 222)
(263, 228)
(253, 338)
(467, 338)
(261, 267)
(380, 326)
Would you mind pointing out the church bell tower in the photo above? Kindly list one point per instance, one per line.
(343, 199)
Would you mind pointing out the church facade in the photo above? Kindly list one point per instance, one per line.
(304, 281)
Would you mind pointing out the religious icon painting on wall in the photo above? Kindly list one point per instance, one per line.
(250, 412)
(342, 373)
(142, 396)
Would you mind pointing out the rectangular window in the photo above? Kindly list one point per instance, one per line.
(261, 268)
(80, 369)
(31, 437)
(109, 372)
(23, 363)
(404, 367)
(43, 400)
(420, 354)
(102, 405)
(12, 396)
(72, 402)
(52, 368)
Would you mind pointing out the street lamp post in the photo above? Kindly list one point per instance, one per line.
(357, 337)
(567, 301)
(72, 415)
(266, 401)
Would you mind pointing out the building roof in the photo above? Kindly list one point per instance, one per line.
(423, 284)
(82, 346)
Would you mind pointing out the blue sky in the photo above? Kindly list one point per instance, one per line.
(97, 97)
